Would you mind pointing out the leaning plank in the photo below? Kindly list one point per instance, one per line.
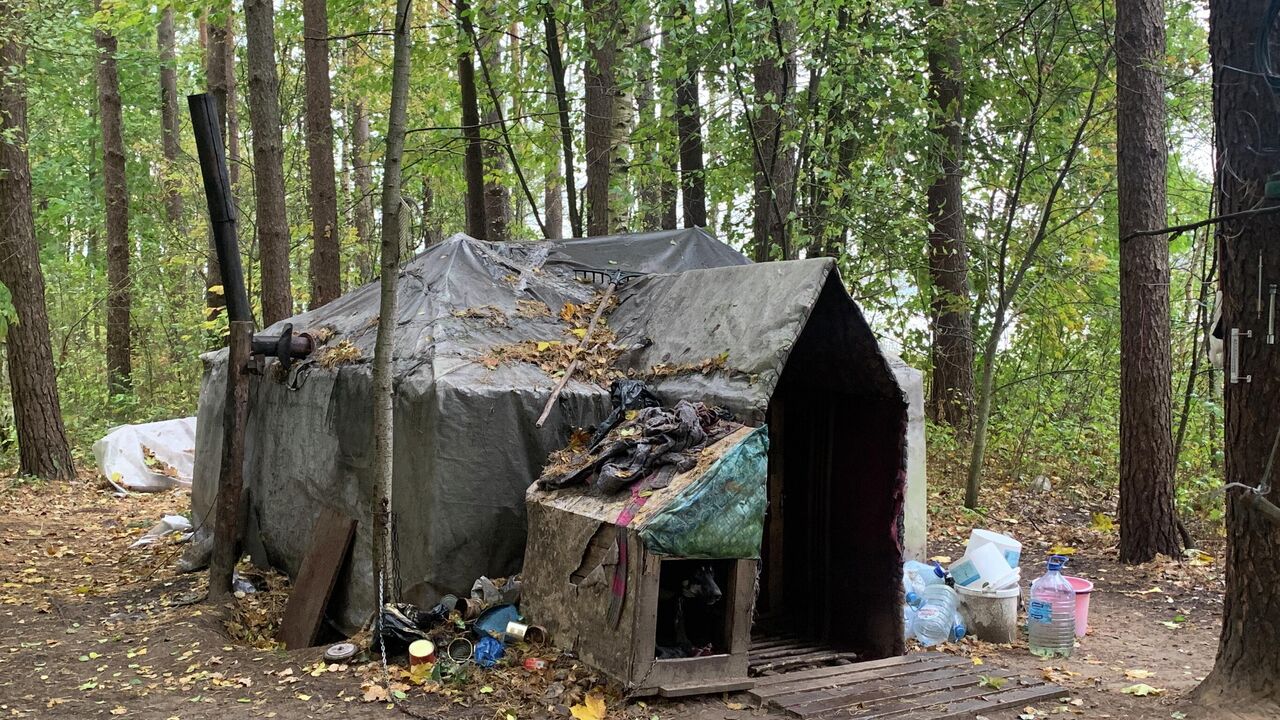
(1013, 697)
(330, 540)
(840, 669)
(880, 689)
(854, 674)
(773, 642)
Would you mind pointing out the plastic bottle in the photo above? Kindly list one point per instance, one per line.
(958, 630)
(919, 575)
(934, 618)
(908, 620)
(1051, 613)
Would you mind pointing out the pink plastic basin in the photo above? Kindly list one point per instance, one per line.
(1083, 589)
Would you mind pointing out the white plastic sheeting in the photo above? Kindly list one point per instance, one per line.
(150, 457)
(916, 510)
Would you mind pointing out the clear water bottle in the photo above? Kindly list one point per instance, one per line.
(908, 620)
(1051, 613)
(933, 621)
(958, 630)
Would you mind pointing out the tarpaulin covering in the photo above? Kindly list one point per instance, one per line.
(721, 513)
(465, 443)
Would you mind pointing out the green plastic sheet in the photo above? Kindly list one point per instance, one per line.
(721, 513)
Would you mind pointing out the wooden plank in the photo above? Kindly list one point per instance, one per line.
(889, 694)
(851, 677)
(855, 667)
(773, 643)
(812, 658)
(701, 688)
(1007, 698)
(795, 648)
(876, 689)
(330, 541)
(934, 700)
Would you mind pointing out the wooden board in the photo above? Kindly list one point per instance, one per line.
(911, 687)
(331, 538)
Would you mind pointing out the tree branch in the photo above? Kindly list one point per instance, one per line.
(1175, 230)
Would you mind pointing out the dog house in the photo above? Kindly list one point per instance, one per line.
(805, 370)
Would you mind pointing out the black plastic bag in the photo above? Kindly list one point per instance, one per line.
(624, 395)
(402, 624)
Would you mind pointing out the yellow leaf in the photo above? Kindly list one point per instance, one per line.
(1102, 522)
(593, 707)
(1138, 674)
(303, 697)
(976, 660)
(566, 312)
(118, 710)
(735, 706)
(215, 289)
(1142, 690)
(992, 681)
(1062, 550)
(543, 345)
(580, 332)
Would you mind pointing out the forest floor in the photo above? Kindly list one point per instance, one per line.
(89, 627)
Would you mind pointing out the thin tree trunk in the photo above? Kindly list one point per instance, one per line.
(497, 198)
(268, 162)
(326, 271)
(951, 389)
(1148, 522)
(219, 73)
(383, 389)
(601, 23)
(552, 192)
(116, 199)
(169, 117)
(473, 160)
(646, 141)
(693, 185)
(555, 60)
(1246, 672)
(363, 180)
(43, 450)
(774, 80)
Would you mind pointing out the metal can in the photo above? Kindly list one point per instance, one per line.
(535, 664)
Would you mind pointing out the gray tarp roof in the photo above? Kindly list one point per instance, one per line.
(465, 443)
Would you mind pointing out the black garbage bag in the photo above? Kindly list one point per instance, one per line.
(402, 624)
(624, 395)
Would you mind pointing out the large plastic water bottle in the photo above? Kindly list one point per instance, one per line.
(958, 629)
(934, 618)
(1051, 613)
(916, 576)
(908, 620)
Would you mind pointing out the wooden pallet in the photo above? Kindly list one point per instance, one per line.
(910, 687)
(783, 653)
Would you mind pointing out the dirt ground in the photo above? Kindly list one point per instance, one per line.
(89, 627)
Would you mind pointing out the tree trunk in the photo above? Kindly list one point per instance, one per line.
(116, 198)
(383, 389)
(497, 199)
(774, 164)
(268, 162)
(42, 441)
(169, 118)
(1246, 672)
(951, 389)
(601, 27)
(1148, 523)
(555, 62)
(363, 180)
(693, 185)
(219, 54)
(326, 273)
(646, 142)
(552, 192)
(473, 160)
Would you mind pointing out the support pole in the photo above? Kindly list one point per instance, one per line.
(226, 535)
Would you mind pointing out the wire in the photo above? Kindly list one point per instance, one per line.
(1262, 51)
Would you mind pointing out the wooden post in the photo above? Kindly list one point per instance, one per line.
(226, 535)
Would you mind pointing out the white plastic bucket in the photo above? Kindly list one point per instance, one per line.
(983, 567)
(990, 615)
(1011, 548)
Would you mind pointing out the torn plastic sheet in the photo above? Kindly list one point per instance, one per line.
(168, 525)
(150, 457)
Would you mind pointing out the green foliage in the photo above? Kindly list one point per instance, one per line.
(859, 123)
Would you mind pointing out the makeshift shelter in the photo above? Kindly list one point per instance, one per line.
(780, 342)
